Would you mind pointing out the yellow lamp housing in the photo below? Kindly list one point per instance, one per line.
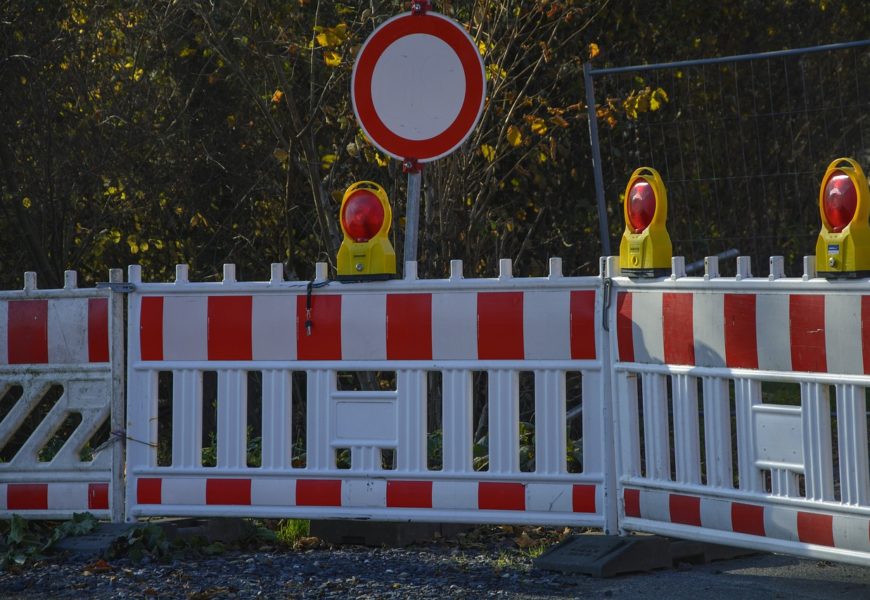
(843, 246)
(365, 217)
(645, 249)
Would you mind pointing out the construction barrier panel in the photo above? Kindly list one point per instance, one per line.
(741, 409)
(61, 397)
(437, 338)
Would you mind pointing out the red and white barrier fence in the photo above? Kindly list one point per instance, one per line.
(739, 408)
(61, 385)
(742, 412)
(442, 330)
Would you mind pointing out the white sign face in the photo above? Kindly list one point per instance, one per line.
(418, 86)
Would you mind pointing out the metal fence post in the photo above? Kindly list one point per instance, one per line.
(603, 229)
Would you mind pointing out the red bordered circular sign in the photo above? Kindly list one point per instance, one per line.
(418, 86)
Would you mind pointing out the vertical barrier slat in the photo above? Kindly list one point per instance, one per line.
(320, 455)
(628, 424)
(687, 448)
(593, 413)
(277, 418)
(550, 426)
(783, 483)
(655, 426)
(186, 418)
(852, 444)
(118, 404)
(747, 393)
(456, 418)
(411, 453)
(816, 420)
(232, 418)
(717, 431)
(504, 421)
(365, 458)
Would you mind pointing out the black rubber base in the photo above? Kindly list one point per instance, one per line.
(843, 274)
(646, 273)
(361, 278)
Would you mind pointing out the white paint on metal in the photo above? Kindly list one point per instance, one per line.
(418, 86)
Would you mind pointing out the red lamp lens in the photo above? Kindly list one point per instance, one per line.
(641, 205)
(362, 216)
(840, 201)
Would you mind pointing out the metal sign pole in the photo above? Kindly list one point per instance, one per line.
(412, 210)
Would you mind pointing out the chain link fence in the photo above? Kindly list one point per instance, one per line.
(741, 142)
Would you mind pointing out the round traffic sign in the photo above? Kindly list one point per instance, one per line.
(418, 86)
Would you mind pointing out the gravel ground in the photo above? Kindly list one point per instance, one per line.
(353, 572)
(475, 566)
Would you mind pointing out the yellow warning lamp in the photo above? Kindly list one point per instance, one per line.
(645, 250)
(843, 247)
(365, 219)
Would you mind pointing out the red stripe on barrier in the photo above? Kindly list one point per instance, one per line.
(678, 329)
(318, 492)
(27, 496)
(807, 330)
(747, 518)
(685, 509)
(229, 327)
(28, 332)
(741, 344)
(583, 325)
(631, 499)
(98, 496)
(501, 496)
(814, 528)
(409, 326)
(151, 329)
(865, 332)
(236, 492)
(500, 326)
(624, 336)
(324, 342)
(98, 330)
(149, 491)
(409, 494)
(583, 498)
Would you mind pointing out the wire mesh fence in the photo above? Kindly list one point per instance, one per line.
(741, 142)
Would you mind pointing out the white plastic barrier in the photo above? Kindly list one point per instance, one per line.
(453, 328)
(761, 385)
(61, 361)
